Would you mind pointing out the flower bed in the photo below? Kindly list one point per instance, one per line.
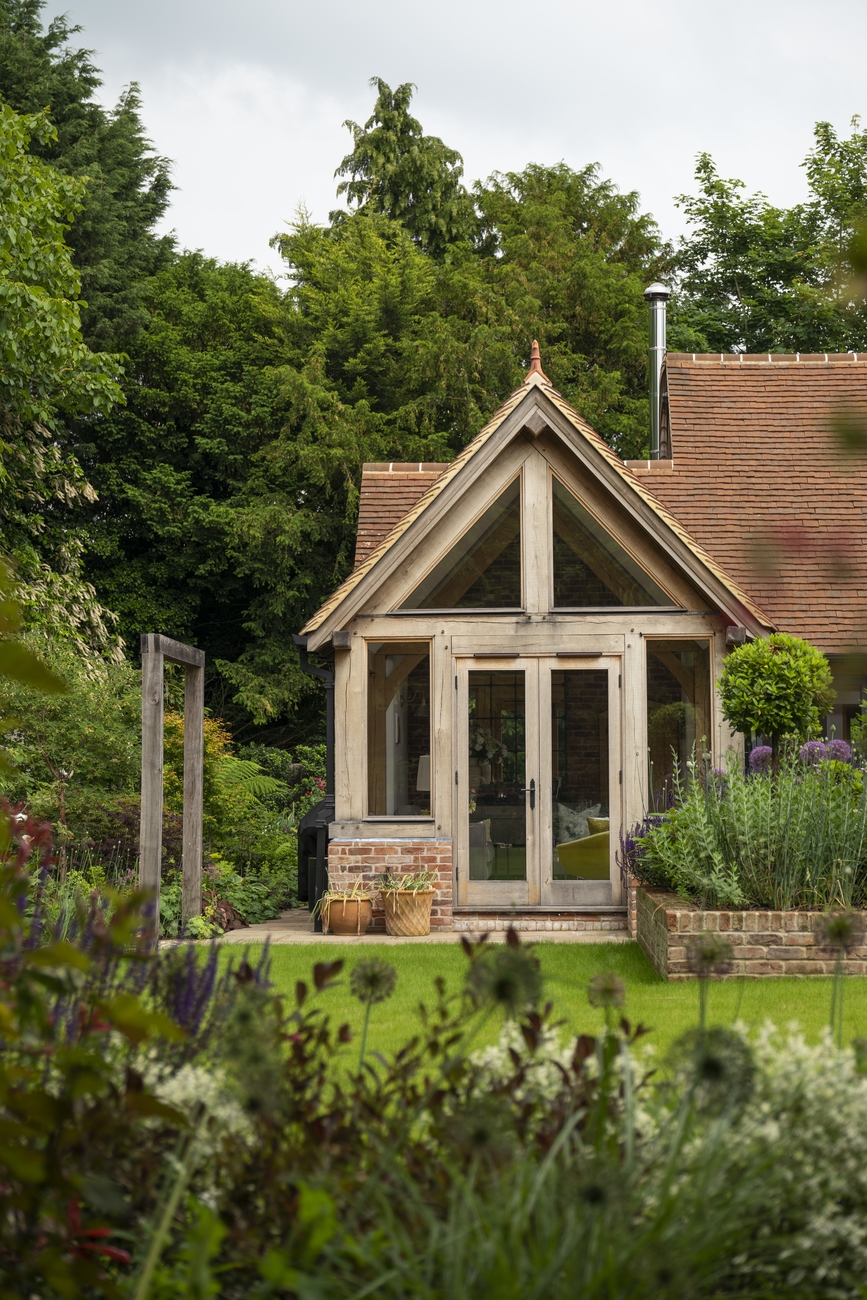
(774, 841)
(764, 943)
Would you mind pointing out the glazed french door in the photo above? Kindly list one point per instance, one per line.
(537, 780)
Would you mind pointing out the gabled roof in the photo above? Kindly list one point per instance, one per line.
(388, 492)
(537, 386)
(758, 479)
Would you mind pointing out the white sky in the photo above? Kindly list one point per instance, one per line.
(248, 98)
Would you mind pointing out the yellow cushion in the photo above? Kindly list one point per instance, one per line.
(596, 825)
(587, 858)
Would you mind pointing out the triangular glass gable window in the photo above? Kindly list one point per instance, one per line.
(483, 571)
(591, 569)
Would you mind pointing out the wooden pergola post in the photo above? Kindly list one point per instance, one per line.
(156, 651)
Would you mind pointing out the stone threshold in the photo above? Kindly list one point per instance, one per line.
(588, 909)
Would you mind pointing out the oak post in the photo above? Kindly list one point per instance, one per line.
(151, 833)
(194, 755)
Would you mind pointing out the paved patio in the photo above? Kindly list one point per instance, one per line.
(296, 926)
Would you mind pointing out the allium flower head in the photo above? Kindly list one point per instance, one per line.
(709, 956)
(840, 930)
(483, 1128)
(813, 752)
(606, 990)
(717, 1064)
(761, 758)
(373, 980)
(839, 750)
(507, 976)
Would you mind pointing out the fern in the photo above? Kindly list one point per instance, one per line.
(242, 776)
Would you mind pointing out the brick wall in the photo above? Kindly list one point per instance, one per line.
(630, 894)
(368, 860)
(764, 943)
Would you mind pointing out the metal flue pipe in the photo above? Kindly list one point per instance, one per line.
(657, 297)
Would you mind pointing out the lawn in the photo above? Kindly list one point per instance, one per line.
(666, 1009)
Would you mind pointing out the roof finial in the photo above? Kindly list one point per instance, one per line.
(536, 364)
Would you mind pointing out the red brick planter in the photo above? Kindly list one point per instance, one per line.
(765, 944)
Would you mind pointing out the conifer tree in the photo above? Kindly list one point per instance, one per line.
(398, 171)
(115, 247)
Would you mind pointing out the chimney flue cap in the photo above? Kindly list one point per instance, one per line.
(655, 292)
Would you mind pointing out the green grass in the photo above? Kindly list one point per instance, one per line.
(666, 1009)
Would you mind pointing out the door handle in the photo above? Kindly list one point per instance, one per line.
(532, 790)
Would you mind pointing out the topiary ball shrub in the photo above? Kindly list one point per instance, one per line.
(777, 686)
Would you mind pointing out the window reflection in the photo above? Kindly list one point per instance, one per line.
(483, 571)
(398, 729)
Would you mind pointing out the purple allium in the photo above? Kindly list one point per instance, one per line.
(839, 750)
(761, 757)
(813, 752)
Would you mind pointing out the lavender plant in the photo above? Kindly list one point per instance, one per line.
(797, 838)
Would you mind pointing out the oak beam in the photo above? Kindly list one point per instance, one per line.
(194, 760)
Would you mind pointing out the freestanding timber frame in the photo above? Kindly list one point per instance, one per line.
(508, 659)
(157, 650)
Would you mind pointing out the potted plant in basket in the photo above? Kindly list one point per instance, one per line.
(346, 911)
(407, 901)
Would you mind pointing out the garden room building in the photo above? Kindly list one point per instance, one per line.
(527, 640)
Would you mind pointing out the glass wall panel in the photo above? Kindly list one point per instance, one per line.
(484, 570)
(591, 569)
(498, 771)
(579, 769)
(678, 709)
(398, 729)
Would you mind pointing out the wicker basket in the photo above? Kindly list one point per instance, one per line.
(407, 911)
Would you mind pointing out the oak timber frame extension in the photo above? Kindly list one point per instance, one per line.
(502, 678)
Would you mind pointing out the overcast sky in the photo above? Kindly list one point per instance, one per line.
(247, 97)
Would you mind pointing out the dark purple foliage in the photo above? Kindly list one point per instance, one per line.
(813, 752)
(839, 750)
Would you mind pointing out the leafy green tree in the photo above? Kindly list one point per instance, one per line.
(76, 750)
(398, 171)
(571, 255)
(778, 686)
(760, 278)
(44, 363)
(115, 247)
(200, 405)
(46, 370)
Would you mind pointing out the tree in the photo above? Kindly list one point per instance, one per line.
(115, 247)
(46, 369)
(571, 256)
(398, 171)
(76, 750)
(778, 686)
(759, 278)
(200, 404)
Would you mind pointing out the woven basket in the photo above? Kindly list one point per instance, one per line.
(407, 911)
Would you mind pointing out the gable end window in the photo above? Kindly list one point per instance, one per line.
(591, 569)
(483, 570)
